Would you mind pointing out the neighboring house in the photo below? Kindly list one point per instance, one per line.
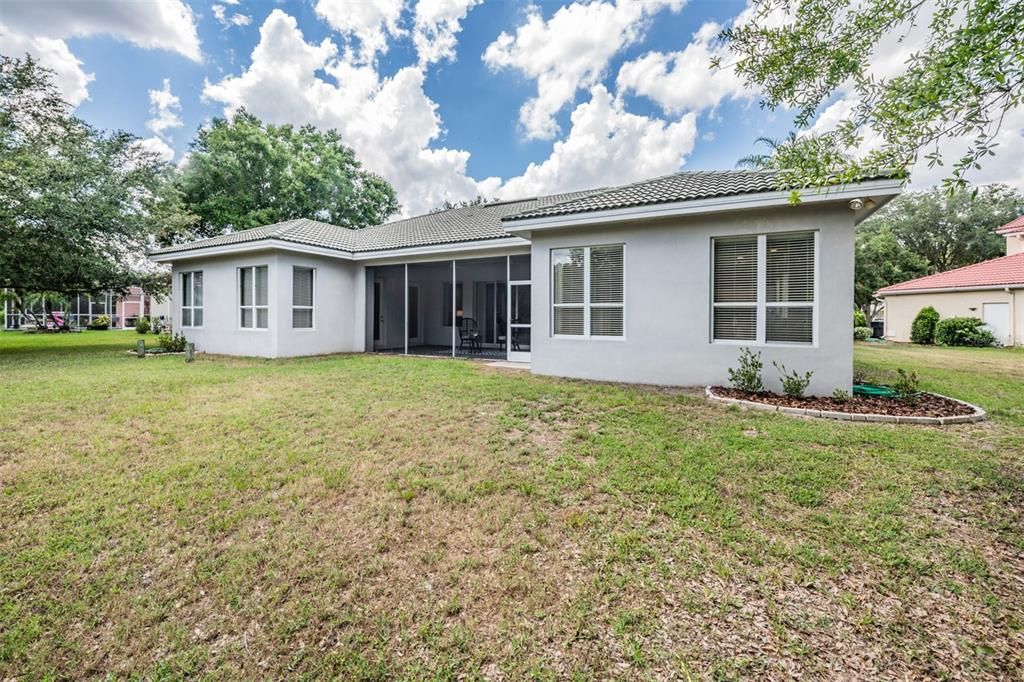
(657, 282)
(992, 290)
(123, 311)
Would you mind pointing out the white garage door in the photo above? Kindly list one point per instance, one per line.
(997, 319)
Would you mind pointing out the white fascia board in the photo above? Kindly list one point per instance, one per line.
(446, 251)
(949, 290)
(872, 188)
(246, 247)
(449, 251)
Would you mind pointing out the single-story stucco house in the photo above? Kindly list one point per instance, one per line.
(992, 291)
(657, 282)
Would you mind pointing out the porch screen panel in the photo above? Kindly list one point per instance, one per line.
(567, 278)
(302, 298)
(790, 288)
(734, 289)
(606, 290)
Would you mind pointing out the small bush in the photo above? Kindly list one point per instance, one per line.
(793, 383)
(172, 343)
(101, 322)
(859, 318)
(906, 386)
(142, 325)
(963, 331)
(861, 333)
(842, 396)
(748, 376)
(922, 330)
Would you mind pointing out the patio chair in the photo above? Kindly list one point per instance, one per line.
(502, 334)
(469, 335)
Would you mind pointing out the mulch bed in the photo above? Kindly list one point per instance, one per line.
(927, 405)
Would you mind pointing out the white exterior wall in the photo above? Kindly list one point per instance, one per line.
(337, 306)
(668, 302)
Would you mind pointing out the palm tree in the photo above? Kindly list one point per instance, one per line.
(764, 161)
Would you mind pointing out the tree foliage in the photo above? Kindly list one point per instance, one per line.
(78, 206)
(241, 173)
(960, 85)
(880, 260)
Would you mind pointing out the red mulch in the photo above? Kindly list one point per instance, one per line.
(927, 404)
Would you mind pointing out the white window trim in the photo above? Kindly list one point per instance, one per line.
(762, 297)
(310, 308)
(193, 308)
(586, 305)
(238, 293)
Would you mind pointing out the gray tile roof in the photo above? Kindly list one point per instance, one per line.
(470, 223)
(478, 223)
(683, 186)
(300, 231)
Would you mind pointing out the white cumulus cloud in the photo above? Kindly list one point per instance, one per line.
(606, 146)
(389, 122)
(436, 24)
(165, 108)
(157, 146)
(157, 24)
(684, 81)
(220, 13)
(372, 22)
(568, 52)
(71, 81)
(39, 28)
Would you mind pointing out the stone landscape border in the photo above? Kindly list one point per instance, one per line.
(977, 416)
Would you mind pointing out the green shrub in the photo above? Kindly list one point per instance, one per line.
(793, 383)
(923, 328)
(142, 325)
(839, 395)
(859, 318)
(963, 331)
(861, 333)
(101, 322)
(172, 343)
(906, 386)
(748, 376)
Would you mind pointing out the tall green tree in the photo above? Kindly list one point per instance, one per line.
(879, 261)
(951, 230)
(241, 173)
(78, 207)
(959, 85)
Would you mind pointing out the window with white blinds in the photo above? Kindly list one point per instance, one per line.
(192, 299)
(588, 291)
(303, 281)
(253, 297)
(763, 288)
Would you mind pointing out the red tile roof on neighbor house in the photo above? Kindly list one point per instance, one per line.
(1013, 227)
(998, 272)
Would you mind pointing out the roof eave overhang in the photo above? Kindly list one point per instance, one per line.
(447, 249)
(248, 247)
(880, 191)
(949, 290)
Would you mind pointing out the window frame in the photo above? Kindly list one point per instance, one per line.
(586, 305)
(311, 308)
(762, 304)
(181, 308)
(238, 293)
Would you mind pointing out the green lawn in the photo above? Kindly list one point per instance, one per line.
(376, 517)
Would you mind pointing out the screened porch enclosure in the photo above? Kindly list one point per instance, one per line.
(475, 308)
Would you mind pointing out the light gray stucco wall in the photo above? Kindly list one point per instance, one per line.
(338, 304)
(668, 311)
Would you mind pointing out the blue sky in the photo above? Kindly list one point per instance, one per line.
(445, 98)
